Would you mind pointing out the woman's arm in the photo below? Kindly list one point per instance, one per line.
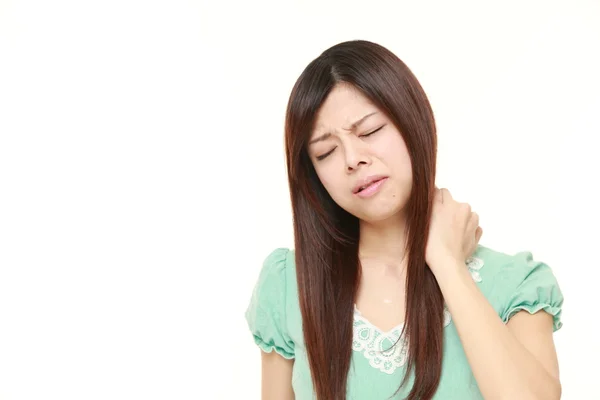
(276, 377)
(517, 361)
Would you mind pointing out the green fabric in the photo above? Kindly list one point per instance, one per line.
(509, 282)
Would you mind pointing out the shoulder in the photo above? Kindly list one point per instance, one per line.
(274, 274)
(517, 281)
(276, 261)
(501, 268)
(278, 269)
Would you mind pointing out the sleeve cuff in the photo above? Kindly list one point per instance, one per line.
(534, 308)
(269, 347)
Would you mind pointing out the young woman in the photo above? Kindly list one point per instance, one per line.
(388, 293)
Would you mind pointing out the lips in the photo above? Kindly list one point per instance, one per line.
(366, 182)
(366, 186)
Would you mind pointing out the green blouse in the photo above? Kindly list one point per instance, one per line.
(509, 282)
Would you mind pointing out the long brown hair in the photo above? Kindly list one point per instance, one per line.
(326, 236)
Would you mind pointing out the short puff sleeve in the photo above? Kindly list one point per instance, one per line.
(532, 287)
(266, 313)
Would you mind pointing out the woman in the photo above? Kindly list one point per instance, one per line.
(388, 293)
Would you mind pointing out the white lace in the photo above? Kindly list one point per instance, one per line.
(475, 265)
(380, 348)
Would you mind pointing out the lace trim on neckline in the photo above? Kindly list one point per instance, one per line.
(388, 351)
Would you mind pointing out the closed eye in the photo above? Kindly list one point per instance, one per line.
(323, 156)
(370, 133)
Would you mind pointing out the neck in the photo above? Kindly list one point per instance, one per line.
(382, 244)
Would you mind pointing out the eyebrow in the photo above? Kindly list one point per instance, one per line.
(353, 126)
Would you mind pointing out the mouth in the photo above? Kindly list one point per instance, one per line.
(368, 183)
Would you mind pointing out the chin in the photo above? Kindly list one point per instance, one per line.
(376, 216)
(379, 211)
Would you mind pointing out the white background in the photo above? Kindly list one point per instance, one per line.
(142, 175)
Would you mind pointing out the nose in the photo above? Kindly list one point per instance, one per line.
(355, 155)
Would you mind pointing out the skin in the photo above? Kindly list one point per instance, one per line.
(513, 360)
(374, 147)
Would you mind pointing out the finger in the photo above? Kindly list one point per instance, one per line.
(473, 221)
(445, 195)
(438, 195)
(478, 234)
(465, 208)
(471, 225)
(475, 243)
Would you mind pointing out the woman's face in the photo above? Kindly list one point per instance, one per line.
(345, 156)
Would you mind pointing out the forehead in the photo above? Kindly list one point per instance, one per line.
(344, 105)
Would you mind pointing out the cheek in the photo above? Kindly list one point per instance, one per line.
(331, 182)
(393, 152)
(325, 177)
(322, 175)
